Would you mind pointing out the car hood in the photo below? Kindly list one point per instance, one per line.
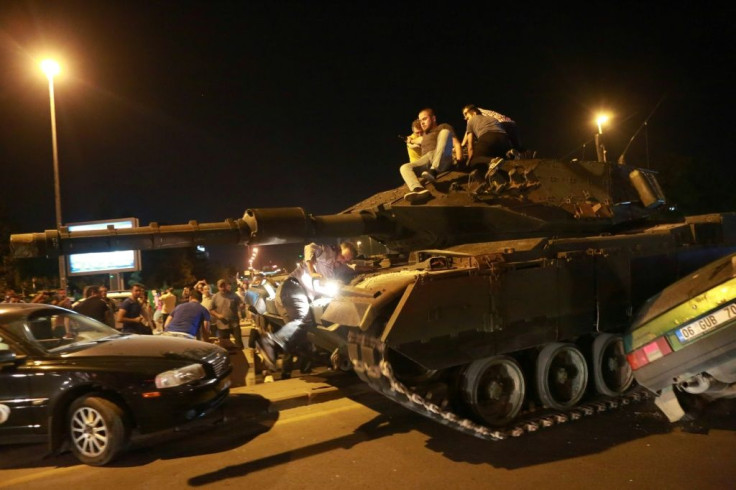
(147, 346)
(689, 289)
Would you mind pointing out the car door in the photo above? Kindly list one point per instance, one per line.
(21, 416)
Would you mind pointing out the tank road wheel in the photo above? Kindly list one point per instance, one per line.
(611, 372)
(562, 375)
(97, 430)
(494, 388)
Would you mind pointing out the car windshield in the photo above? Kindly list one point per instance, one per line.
(56, 331)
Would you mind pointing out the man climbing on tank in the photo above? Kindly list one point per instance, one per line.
(295, 295)
(439, 143)
(485, 137)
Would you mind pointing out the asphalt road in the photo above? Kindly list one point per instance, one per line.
(366, 441)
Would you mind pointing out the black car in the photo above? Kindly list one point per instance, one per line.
(66, 378)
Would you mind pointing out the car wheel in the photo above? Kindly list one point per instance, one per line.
(97, 430)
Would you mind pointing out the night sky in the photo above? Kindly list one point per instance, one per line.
(177, 110)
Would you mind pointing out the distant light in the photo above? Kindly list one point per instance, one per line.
(200, 248)
(50, 67)
(601, 120)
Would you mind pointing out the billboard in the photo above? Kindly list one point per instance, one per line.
(103, 262)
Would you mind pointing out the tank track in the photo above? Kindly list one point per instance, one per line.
(367, 354)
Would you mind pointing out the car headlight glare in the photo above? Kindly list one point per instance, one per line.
(181, 376)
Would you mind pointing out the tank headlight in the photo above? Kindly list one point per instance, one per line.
(327, 287)
(181, 376)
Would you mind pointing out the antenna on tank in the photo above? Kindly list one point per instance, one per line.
(644, 125)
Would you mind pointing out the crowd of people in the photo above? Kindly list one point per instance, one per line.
(196, 312)
(434, 147)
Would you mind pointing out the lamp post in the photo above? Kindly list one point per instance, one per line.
(600, 149)
(51, 69)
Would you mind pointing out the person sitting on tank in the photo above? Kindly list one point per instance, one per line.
(485, 137)
(294, 298)
(439, 145)
(414, 141)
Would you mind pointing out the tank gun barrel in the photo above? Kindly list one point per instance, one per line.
(268, 226)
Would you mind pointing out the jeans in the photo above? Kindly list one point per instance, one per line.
(293, 304)
(439, 159)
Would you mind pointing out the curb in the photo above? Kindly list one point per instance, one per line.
(306, 390)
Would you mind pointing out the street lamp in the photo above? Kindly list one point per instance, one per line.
(600, 121)
(51, 68)
(600, 149)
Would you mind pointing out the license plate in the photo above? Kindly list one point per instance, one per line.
(707, 323)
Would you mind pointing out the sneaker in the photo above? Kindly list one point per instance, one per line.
(495, 162)
(418, 196)
(267, 348)
(429, 175)
(410, 196)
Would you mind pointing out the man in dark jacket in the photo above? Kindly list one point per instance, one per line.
(93, 306)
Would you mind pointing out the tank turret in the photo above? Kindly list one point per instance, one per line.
(519, 280)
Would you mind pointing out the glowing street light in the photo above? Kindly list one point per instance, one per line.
(600, 121)
(51, 68)
(253, 255)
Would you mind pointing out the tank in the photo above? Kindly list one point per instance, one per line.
(502, 305)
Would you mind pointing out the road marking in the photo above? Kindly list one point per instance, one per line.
(319, 413)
